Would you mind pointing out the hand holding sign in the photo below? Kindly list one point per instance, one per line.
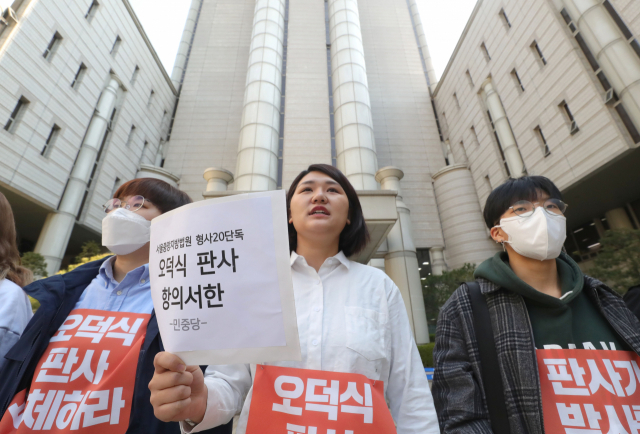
(177, 391)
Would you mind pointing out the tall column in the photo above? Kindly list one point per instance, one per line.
(257, 165)
(465, 233)
(438, 264)
(54, 237)
(618, 219)
(617, 59)
(503, 129)
(401, 261)
(355, 143)
(185, 44)
(217, 179)
(422, 44)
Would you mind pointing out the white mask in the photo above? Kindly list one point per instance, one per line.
(540, 236)
(124, 232)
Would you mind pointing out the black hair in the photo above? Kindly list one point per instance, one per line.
(513, 190)
(161, 194)
(355, 236)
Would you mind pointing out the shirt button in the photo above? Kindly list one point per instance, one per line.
(315, 342)
(317, 309)
(119, 292)
(142, 281)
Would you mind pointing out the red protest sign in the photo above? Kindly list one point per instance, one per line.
(590, 391)
(296, 401)
(84, 381)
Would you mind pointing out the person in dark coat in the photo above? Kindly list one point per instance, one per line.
(86, 357)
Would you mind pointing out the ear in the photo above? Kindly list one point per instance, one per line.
(498, 235)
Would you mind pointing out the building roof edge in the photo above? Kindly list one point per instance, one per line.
(458, 45)
(149, 45)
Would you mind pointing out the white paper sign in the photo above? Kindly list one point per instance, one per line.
(221, 281)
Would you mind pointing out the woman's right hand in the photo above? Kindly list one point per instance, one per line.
(178, 391)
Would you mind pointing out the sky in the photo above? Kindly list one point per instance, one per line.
(443, 21)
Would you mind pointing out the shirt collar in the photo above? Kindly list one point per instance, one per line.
(340, 257)
(106, 271)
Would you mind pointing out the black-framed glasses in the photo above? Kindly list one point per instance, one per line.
(133, 204)
(524, 208)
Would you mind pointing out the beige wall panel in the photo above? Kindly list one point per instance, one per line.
(207, 124)
(404, 124)
(566, 77)
(307, 133)
(46, 83)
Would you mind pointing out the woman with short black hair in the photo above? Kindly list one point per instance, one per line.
(535, 298)
(351, 319)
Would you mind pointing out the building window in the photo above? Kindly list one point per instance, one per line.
(487, 182)
(424, 263)
(469, 78)
(116, 185)
(495, 133)
(51, 140)
(569, 116)
(79, 76)
(516, 77)
(151, 96)
(144, 151)
(134, 76)
(132, 133)
(543, 141)
(536, 48)
(16, 115)
(455, 97)
(464, 152)
(116, 46)
(435, 113)
(92, 10)
(504, 16)
(52, 47)
(485, 51)
(474, 135)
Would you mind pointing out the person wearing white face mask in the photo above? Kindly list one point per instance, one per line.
(95, 335)
(530, 297)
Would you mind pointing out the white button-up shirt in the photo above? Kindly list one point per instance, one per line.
(351, 318)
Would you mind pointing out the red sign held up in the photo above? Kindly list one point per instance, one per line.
(590, 391)
(301, 401)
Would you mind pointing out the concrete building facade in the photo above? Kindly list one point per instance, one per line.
(261, 89)
(84, 104)
(548, 87)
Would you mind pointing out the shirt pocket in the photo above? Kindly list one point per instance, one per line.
(365, 331)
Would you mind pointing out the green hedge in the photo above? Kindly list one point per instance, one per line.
(426, 353)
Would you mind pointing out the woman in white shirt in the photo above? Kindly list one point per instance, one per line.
(351, 318)
(15, 309)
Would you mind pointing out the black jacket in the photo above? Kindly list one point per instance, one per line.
(632, 300)
(458, 392)
(58, 296)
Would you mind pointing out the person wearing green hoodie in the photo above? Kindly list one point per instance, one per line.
(538, 299)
